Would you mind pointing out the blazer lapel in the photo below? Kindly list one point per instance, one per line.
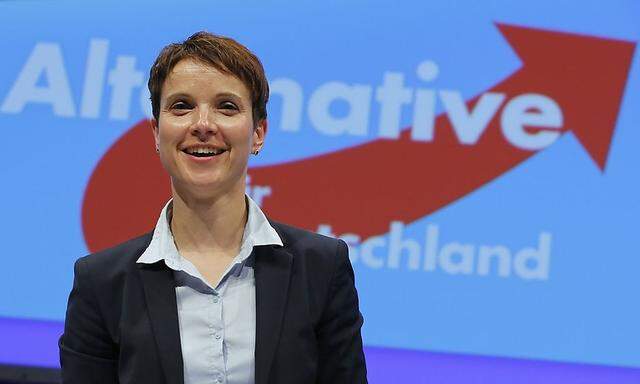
(159, 289)
(272, 270)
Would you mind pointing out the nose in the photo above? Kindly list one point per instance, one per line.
(204, 124)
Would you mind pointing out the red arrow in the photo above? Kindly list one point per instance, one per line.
(361, 189)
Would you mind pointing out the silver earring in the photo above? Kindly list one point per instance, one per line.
(255, 153)
(157, 150)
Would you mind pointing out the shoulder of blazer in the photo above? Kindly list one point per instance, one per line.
(321, 254)
(108, 265)
(104, 274)
(298, 238)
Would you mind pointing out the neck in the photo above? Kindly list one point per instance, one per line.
(212, 225)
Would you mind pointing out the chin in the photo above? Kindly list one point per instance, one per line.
(205, 186)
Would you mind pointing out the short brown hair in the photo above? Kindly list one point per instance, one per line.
(225, 55)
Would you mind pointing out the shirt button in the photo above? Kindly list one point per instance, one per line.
(218, 337)
(215, 299)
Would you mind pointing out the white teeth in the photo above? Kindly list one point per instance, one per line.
(205, 151)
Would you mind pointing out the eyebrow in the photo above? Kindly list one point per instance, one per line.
(229, 94)
(179, 95)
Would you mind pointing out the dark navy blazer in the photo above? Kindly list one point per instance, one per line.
(122, 320)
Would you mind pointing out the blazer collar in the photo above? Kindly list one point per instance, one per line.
(272, 271)
(160, 293)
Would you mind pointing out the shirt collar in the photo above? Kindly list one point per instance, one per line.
(257, 231)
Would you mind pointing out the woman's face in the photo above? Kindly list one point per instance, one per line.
(205, 131)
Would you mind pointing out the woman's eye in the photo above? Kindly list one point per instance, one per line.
(228, 105)
(180, 105)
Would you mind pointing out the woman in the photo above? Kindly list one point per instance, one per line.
(217, 293)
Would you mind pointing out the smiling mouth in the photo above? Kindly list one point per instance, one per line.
(204, 152)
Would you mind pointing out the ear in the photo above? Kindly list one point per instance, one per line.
(259, 133)
(156, 132)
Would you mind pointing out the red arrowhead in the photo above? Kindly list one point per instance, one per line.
(585, 75)
(361, 189)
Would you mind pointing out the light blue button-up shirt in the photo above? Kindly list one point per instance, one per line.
(217, 324)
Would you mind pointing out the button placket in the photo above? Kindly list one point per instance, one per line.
(216, 332)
